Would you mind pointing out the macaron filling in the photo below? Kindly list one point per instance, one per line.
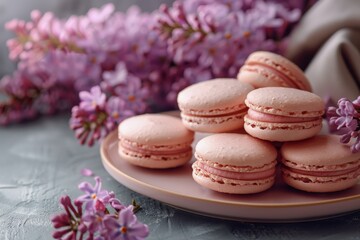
(325, 173)
(277, 71)
(155, 149)
(225, 112)
(329, 183)
(322, 168)
(235, 175)
(271, 118)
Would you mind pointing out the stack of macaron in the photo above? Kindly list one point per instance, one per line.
(272, 102)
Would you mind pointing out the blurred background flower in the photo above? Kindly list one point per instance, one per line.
(127, 63)
(344, 120)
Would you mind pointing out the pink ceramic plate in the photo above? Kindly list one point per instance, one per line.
(177, 188)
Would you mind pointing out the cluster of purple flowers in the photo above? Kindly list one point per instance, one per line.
(344, 120)
(124, 64)
(95, 220)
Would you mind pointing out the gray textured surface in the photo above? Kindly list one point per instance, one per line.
(41, 160)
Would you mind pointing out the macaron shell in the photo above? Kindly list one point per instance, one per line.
(265, 117)
(237, 150)
(214, 124)
(320, 164)
(259, 77)
(282, 132)
(319, 184)
(208, 96)
(157, 161)
(323, 152)
(231, 186)
(285, 102)
(144, 148)
(155, 129)
(276, 69)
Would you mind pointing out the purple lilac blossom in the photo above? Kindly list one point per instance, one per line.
(68, 224)
(140, 60)
(93, 194)
(92, 100)
(344, 120)
(126, 227)
(214, 33)
(90, 120)
(116, 204)
(93, 221)
(216, 36)
(86, 172)
(117, 111)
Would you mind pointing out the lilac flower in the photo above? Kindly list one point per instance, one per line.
(14, 111)
(102, 29)
(134, 94)
(89, 126)
(54, 100)
(84, 73)
(16, 45)
(126, 227)
(122, 53)
(80, 124)
(86, 172)
(117, 111)
(344, 120)
(90, 119)
(98, 221)
(114, 78)
(344, 116)
(116, 204)
(95, 117)
(19, 85)
(93, 194)
(356, 145)
(93, 99)
(356, 103)
(99, 16)
(213, 52)
(219, 35)
(94, 221)
(70, 222)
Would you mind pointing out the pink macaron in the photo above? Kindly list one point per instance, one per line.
(266, 69)
(320, 164)
(234, 163)
(283, 114)
(214, 106)
(155, 141)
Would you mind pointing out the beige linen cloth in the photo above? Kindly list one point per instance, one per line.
(326, 44)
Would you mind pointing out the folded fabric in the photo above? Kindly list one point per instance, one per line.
(326, 44)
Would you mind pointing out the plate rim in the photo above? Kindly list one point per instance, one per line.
(105, 160)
